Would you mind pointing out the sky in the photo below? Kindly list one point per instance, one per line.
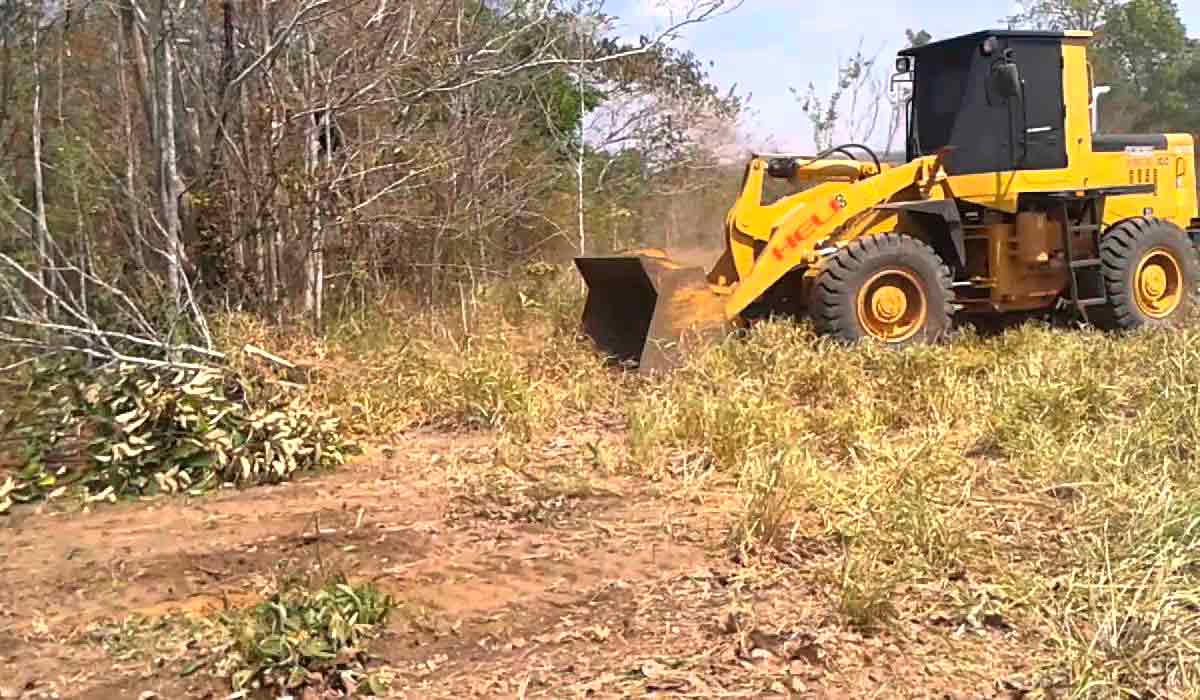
(766, 47)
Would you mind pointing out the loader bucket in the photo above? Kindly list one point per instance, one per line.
(647, 310)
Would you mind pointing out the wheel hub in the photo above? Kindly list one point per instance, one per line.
(1154, 282)
(892, 305)
(1158, 283)
(889, 303)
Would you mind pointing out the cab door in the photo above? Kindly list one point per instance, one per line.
(1045, 111)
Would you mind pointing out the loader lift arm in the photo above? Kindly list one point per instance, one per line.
(642, 307)
(801, 229)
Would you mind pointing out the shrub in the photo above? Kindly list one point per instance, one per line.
(302, 637)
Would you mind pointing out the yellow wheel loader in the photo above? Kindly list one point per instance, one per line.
(1007, 203)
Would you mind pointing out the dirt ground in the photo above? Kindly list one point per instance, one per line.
(514, 583)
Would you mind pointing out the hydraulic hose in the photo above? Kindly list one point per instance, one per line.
(844, 149)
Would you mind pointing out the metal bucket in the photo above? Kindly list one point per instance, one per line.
(646, 310)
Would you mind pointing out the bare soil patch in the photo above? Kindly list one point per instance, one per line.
(512, 582)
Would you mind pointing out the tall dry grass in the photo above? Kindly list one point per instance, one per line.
(1050, 474)
(1044, 479)
(505, 357)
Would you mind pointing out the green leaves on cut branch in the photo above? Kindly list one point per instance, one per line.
(298, 637)
(138, 432)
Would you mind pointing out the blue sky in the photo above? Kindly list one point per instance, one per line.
(767, 46)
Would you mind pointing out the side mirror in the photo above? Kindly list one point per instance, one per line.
(1006, 80)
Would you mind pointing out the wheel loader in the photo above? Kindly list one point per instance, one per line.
(1006, 203)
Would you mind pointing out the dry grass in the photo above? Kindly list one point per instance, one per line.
(1053, 470)
(506, 358)
(1042, 480)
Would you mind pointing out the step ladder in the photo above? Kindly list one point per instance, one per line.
(1090, 269)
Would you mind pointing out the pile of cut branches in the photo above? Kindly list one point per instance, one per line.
(141, 431)
(303, 637)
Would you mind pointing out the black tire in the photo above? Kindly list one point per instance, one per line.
(840, 290)
(1124, 249)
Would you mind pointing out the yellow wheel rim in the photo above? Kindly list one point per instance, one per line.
(892, 306)
(1158, 283)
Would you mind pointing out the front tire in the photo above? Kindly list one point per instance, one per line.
(889, 288)
(1150, 272)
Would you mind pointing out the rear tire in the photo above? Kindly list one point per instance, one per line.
(890, 288)
(1150, 272)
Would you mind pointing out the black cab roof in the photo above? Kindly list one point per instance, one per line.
(998, 33)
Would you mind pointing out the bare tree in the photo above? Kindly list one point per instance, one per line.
(266, 155)
(852, 109)
(41, 228)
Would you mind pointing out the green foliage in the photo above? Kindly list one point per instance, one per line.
(300, 637)
(137, 432)
(561, 99)
(1141, 51)
(1059, 15)
(1148, 45)
(1148, 37)
(669, 72)
(917, 38)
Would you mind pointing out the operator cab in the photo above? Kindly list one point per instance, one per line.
(995, 97)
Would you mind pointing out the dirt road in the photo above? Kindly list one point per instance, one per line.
(513, 583)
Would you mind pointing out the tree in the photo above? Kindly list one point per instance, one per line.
(294, 156)
(861, 96)
(1148, 41)
(851, 111)
(1060, 15)
(1141, 51)
(917, 38)
(1144, 51)
(901, 93)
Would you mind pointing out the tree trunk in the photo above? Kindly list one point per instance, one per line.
(6, 80)
(133, 24)
(41, 228)
(138, 243)
(253, 240)
(169, 185)
(314, 278)
(62, 46)
(581, 153)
